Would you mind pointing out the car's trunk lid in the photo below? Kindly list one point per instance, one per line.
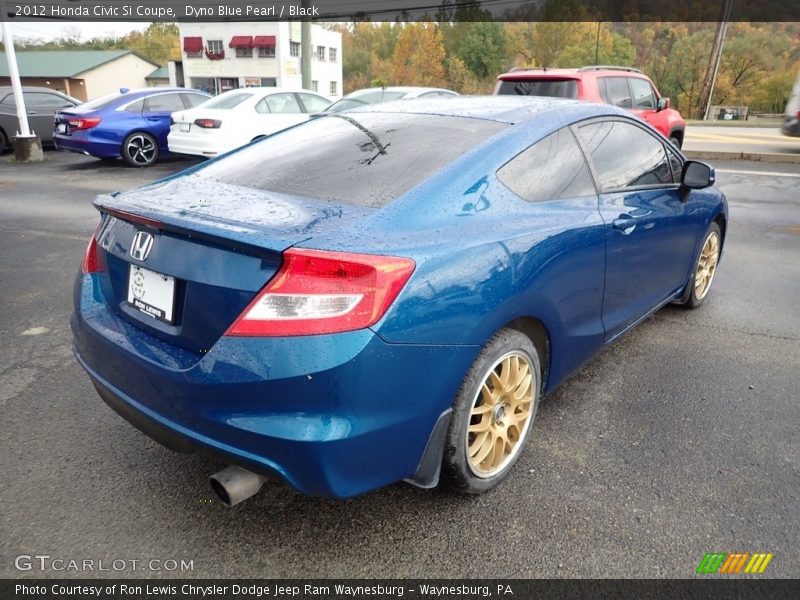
(217, 244)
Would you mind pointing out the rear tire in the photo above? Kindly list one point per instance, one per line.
(676, 141)
(705, 268)
(140, 149)
(493, 413)
(3, 141)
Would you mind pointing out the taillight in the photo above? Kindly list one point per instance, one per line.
(208, 123)
(91, 262)
(317, 292)
(84, 123)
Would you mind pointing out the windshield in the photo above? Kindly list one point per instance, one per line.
(554, 88)
(357, 158)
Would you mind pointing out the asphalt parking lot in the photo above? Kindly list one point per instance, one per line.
(680, 439)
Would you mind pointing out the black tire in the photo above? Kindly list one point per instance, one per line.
(699, 293)
(459, 470)
(4, 143)
(676, 141)
(139, 149)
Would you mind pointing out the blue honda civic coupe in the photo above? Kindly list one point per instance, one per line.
(385, 294)
(132, 124)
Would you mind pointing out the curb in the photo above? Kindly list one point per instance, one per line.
(767, 157)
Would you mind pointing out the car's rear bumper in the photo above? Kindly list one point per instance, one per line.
(86, 143)
(196, 144)
(791, 126)
(334, 415)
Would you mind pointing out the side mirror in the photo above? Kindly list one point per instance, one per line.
(663, 104)
(697, 175)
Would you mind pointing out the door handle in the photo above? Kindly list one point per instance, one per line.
(625, 224)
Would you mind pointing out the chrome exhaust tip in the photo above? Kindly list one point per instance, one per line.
(234, 484)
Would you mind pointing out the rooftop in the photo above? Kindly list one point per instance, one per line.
(61, 63)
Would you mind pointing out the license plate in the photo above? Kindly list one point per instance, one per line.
(185, 127)
(151, 293)
(61, 128)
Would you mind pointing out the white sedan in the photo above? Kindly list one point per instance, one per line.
(238, 117)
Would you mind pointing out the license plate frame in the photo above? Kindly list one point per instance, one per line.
(184, 127)
(61, 128)
(151, 293)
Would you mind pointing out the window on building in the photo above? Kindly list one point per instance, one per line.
(320, 52)
(193, 46)
(294, 48)
(244, 53)
(314, 86)
(332, 54)
(266, 52)
(334, 88)
(269, 82)
(215, 47)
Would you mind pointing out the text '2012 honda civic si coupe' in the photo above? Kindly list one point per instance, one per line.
(384, 294)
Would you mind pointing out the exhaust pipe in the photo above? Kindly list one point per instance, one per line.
(234, 484)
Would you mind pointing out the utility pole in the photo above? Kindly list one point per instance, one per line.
(305, 49)
(27, 145)
(714, 60)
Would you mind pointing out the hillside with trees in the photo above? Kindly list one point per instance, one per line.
(759, 60)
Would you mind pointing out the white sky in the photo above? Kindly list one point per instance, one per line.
(88, 30)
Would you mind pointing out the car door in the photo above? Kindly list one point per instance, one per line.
(157, 113)
(650, 225)
(278, 111)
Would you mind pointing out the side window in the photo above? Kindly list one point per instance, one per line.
(135, 107)
(280, 103)
(551, 169)
(192, 100)
(625, 155)
(617, 92)
(164, 103)
(314, 103)
(643, 96)
(676, 162)
(44, 100)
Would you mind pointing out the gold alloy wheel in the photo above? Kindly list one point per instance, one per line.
(501, 415)
(706, 266)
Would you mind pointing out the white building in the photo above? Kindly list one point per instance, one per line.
(218, 57)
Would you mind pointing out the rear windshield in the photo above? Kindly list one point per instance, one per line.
(360, 158)
(227, 102)
(555, 88)
(100, 102)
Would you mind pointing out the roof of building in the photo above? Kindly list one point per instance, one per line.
(159, 73)
(62, 63)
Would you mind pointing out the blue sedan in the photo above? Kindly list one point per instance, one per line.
(130, 124)
(385, 294)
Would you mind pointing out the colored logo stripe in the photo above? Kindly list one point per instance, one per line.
(733, 563)
(758, 563)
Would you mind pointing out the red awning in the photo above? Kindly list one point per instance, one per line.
(193, 44)
(241, 41)
(264, 41)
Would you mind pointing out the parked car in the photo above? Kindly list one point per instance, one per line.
(41, 104)
(625, 87)
(375, 95)
(238, 117)
(791, 119)
(132, 124)
(384, 295)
